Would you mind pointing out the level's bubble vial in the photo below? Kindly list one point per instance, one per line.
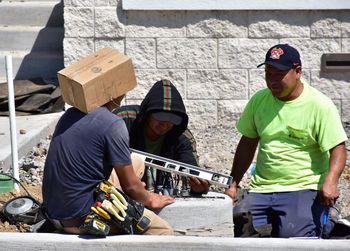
(216, 177)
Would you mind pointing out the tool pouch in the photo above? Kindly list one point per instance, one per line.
(126, 214)
(94, 225)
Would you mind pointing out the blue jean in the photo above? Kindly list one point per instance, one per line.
(291, 214)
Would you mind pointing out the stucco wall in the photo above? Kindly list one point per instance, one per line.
(211, 56)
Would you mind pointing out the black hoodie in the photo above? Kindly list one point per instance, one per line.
(179, 143)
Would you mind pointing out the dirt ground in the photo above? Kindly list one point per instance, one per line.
(5, 226)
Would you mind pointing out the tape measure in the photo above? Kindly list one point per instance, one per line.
(23, 209)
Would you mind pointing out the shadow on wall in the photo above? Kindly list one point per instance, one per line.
(46, 55)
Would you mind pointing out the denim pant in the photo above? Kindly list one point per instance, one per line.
(291, 214)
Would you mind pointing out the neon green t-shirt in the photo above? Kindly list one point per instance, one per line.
(295, 139)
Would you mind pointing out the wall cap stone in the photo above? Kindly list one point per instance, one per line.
(235, 5)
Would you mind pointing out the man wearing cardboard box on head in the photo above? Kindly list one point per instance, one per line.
(88, 143)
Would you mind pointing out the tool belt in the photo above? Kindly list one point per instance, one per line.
(114, 209)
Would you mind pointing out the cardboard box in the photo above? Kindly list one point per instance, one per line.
(95, 80)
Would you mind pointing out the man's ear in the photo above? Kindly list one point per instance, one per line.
(298, 71)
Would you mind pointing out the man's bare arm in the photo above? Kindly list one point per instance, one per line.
(329, 191)
(134, 188)
(243, 158)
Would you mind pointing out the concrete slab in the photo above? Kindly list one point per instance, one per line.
(31, 13)
(30, 39)
(208, 215)
(35, 241)
(36, 127)
(28, 65)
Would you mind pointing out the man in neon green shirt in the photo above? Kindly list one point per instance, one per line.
(301, 152)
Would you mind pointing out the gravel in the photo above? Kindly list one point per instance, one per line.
(31, 166)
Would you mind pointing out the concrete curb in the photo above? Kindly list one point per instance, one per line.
(210, 211)
(36, 241)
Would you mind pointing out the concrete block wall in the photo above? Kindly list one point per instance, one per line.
(211, 56)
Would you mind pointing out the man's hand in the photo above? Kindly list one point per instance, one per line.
(198, 185)
(232, 191)
(157, 201)
(329, 193)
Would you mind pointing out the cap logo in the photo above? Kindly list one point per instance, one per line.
(276, 53)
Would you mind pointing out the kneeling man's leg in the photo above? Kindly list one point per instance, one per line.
(158, 225)
(298, 214)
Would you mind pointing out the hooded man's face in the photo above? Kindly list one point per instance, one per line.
(156, 128)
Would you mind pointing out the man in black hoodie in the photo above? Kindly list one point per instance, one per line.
(159, 126)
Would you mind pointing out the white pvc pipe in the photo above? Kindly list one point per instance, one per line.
(13, 129)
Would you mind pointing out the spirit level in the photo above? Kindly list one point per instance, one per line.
(183, 169)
